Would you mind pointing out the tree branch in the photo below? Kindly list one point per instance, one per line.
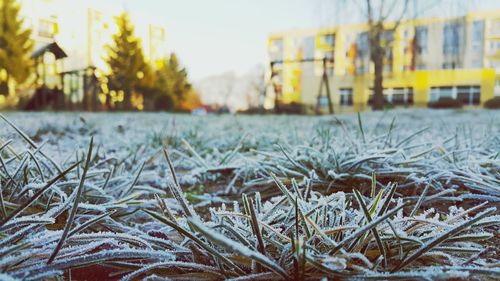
(369, 12)
(398, 22)
(381, 10)
(389, 11)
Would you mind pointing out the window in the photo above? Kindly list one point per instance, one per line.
(386, 39)
(308, 48)
(477, 34)
(449, 65)
(276, 50)
(409, 96)
(327, 49)
(362, 44)
(323, 101)
(469, 94)
(346, 96)
(442, 92)
(463, 94)
(475, 95)
(451, 39)
(330, 65)
(402, 96)
(477, 63)
(421, 39)
(329, 40)
(386, 93)
(47, 28)
(434, 95)
(362, 52)
(388, 60)
(398, 98)
(445, 92)
(497, 88)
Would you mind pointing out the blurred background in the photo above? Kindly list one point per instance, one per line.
(295, 56)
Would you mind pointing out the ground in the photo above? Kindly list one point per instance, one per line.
(397, 194)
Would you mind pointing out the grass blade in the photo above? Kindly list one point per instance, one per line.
(367, 227)
(238, 248)
(444, 236)
(374, 229)
(31, 142)
(420, 200)
(72, 214)
(388, 199)
(176, 191)
(255, 226)
(360, 124)
(37, 194)
(195, 239)
(170, 166)
(136, 178)
(89, 223)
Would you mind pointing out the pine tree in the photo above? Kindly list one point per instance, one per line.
(15, 46)
(170, 85)
(126, 61)
(177, 78)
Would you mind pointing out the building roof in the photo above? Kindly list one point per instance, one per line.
(54, 48)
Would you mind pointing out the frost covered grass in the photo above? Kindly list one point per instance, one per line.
(400, 195)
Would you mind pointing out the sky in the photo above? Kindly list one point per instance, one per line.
(216, 36)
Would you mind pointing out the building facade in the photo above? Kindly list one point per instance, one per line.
(427, 59)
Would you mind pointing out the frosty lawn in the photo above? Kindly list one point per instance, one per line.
(409, 194)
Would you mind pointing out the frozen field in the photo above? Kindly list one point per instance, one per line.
(405, 194)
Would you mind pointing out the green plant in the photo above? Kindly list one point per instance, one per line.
(446, 103)
(493, 103)
(15, 46)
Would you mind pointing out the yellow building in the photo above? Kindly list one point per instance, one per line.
(427, 59)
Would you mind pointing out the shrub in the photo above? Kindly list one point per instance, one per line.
(446, 103)
(291, 108)
(493, 103)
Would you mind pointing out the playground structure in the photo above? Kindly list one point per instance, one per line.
(62, 90)
(278, 89)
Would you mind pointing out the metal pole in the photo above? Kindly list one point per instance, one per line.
(276, 90)
(318, 99)
(325, 79)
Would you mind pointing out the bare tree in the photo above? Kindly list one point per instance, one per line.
(380, 40)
